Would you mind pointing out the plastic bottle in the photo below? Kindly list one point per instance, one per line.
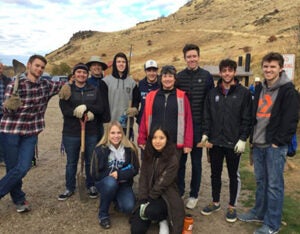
(188, 224)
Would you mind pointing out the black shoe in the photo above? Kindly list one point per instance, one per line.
(93, 192)
(105, 223)
(65, 195)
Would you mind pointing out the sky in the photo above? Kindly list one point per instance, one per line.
(42, 26)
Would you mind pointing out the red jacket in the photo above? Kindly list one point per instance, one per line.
(184, 124)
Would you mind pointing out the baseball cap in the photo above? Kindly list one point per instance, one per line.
(150, 63)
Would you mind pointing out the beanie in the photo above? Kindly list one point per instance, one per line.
(80, 66)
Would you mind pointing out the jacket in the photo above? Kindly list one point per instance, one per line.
(227, 118)
(99, 83)
(173, 112)
(100, 168)
(196, 84)
(120, 92)
(158, 178)
(144, 88)
(284, 115)
(90, 96)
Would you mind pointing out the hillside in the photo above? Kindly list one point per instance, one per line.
(220, 27)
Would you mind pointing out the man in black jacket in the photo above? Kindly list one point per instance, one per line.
(196, 82)
(276, 105)
(227, 125)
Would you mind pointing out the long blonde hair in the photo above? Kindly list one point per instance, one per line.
(124, 141)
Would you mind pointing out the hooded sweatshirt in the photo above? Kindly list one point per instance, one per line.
(266, 102)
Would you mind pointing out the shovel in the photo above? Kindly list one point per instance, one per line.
(14, 101)
(80, 177)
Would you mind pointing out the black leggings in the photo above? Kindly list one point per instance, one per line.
(156, 211)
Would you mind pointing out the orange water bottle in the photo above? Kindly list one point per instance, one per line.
(188, 224)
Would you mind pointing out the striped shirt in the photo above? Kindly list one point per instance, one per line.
(29, 118)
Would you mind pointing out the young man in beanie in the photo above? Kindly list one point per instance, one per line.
(20, 127)
(196, 82)
(226, 125)
(97, 67)
(85, 102)
(276, 105)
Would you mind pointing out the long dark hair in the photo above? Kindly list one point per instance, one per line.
(115, 71)
(150, 151)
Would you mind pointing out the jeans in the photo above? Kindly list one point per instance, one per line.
(18, 151)
(72, 148)
(1, 148)
(111, 190)
(268, 168)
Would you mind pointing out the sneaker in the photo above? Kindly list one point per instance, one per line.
(191, 203)
(105, 223)
(23, 207)
(65, 195)
(164, 227)
(93, 192)
(210, 209)
(264, 229)
(231, 215)
(249, 217)
(142, 211)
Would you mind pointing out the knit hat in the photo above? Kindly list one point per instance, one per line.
(150, 63)
(168, 69)
(80, 66)
(97, 59)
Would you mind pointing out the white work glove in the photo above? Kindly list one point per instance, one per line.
(240, 147)
(90, 116)
(131, 111)
(204, 139)
(79, 111)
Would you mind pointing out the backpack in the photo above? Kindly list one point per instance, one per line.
(292, 147)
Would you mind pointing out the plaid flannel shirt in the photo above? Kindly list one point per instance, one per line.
(2, 89)
(29, 118)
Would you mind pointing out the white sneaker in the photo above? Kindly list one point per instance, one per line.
(192, 202)
(163, 227)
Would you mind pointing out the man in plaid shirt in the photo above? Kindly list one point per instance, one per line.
(20, 128)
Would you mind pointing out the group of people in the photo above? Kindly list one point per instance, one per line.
(178, 113)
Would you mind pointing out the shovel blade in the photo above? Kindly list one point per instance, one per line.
(18, 67)
(81, 187)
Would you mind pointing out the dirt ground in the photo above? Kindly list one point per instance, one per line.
(44, 182)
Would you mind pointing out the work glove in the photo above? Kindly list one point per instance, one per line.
(240, 147)
(65, 92)
(204, 139)
(131, 111)
(90, 116)
(79, 111)
(13, 102)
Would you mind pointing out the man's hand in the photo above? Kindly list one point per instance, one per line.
(187, 150)
(114, 175)
(203, 141)
(240, 147)
(90, 116)
(131, 111)
(65, 92)
(79, 111)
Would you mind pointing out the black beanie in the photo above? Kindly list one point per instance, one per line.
(80, 66)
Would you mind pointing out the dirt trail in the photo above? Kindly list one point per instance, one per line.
(44, 182)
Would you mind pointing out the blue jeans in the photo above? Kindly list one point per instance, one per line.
(196, 161)
(18, 151)
(72, 148)
(268, 168)
(1, 148)
(121, 193)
